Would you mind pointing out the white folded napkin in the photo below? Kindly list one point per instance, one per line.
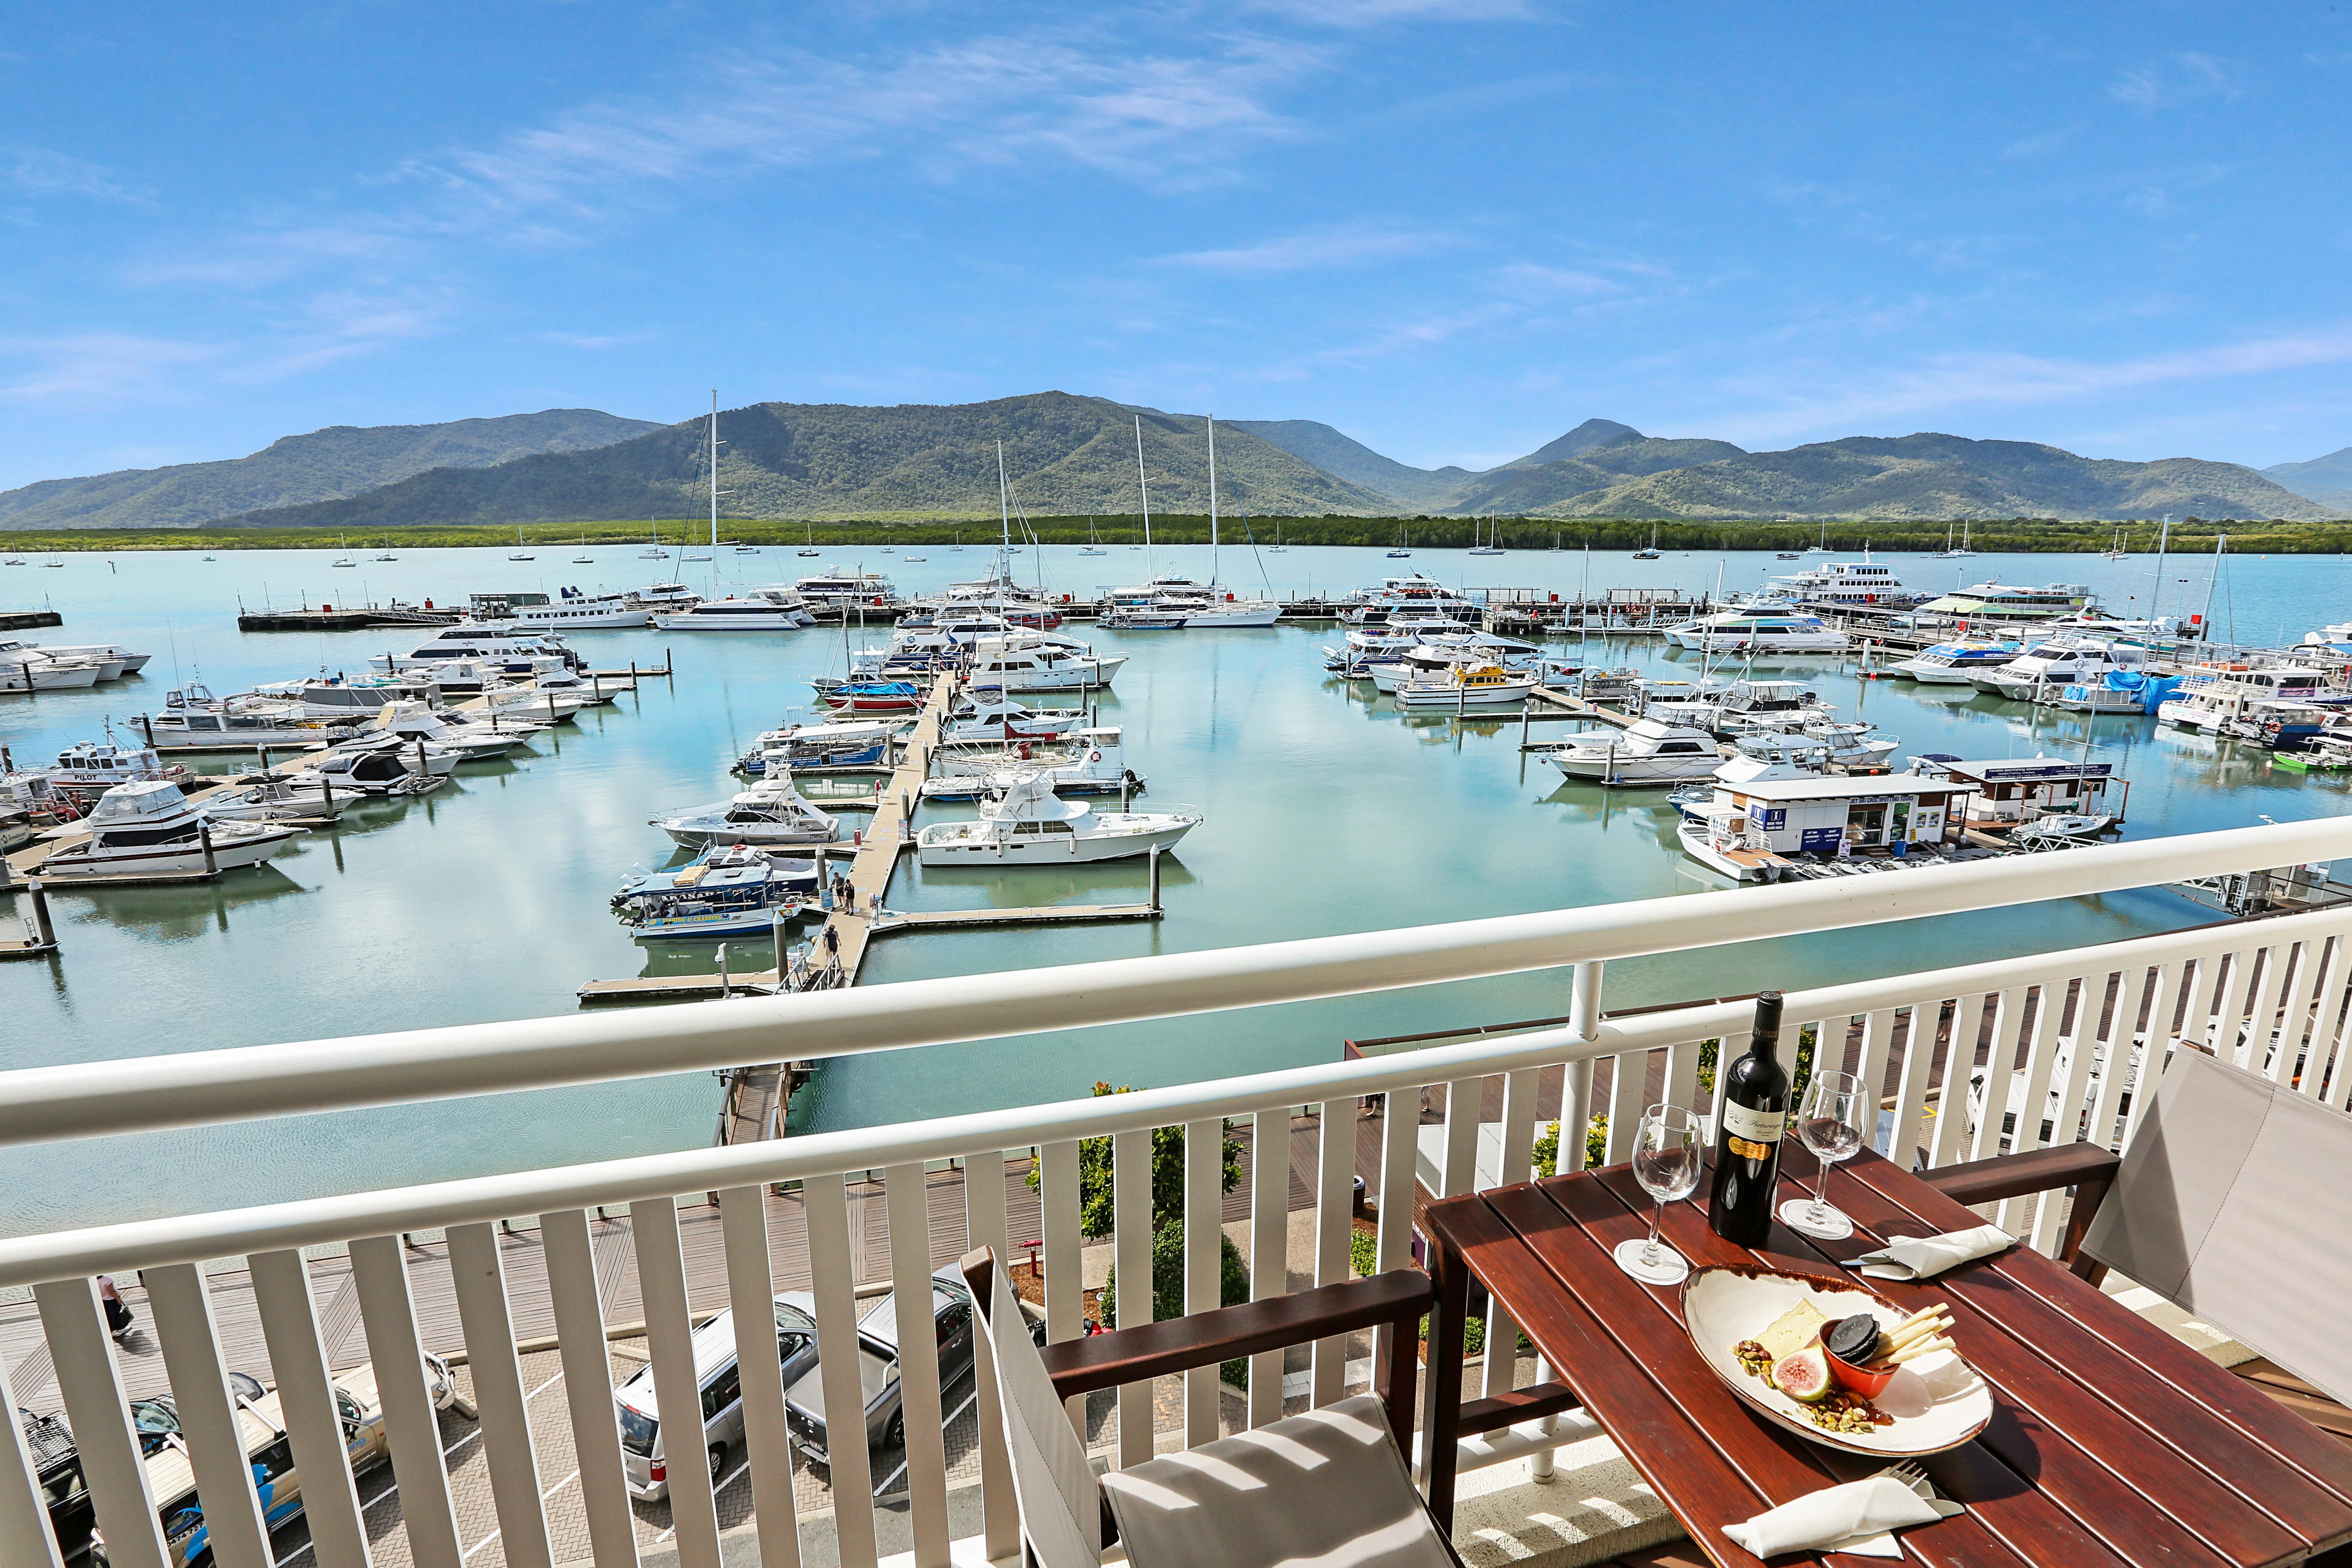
(1924, 1258)
(1860, 1517)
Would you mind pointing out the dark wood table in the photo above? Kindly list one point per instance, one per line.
(2111, 1442)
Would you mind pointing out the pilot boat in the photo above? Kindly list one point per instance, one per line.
(772, 812)
(84, 773)
(151, 829)
(1031, 825)
(731, 890)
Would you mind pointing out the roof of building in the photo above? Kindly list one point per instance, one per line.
(1887, 785)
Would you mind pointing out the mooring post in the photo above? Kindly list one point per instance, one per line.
(147, 724)
(1155, 877)
(1526, 716)
(551, 708)
(205, 837)
(326, 793)
(44, 934)
(1126, 783)
(724, 990)
(778, 918)
(424, 768)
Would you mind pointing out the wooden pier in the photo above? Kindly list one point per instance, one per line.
(29, 620)
(348, 619)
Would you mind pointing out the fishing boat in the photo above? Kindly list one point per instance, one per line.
(1650, 752)
(772, 812)
(1955, 663)
(735, 889)
(1780, 829)
(1029, 825)
(1757, 634)
(1095, 762)
(1460, 686)
(2212, 696)
(995, 718)
(864, 744)
(754, 610)
(151, 829)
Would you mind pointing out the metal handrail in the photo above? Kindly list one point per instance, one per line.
(199, 1087)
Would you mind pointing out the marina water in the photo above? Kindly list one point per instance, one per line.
(1327, 812)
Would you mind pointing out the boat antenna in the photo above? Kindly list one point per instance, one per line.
(714, 481)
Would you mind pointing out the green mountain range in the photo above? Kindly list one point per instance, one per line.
(2327, 481)
(325, 465)
(1074, 456)
(1063, 455)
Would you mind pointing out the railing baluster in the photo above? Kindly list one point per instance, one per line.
(588, 1387)
(1517, 1163)
(2328, 1029)
(1269, 1248)
(831, 1275)
(479, 1277)
(1335, 1186)
(27, 1536)
(306, 1403)
(388, 1316)
(2172, 980)
(1877, 1048)
(1205, 1234)
(2001, 1057)
(1681, 1076)
(1628, 1098)
(1464, 1101)
(2298, 1025)
(98, 1410)
(905, 1191)
(984, 1225)
(1058, 1219)
(767, 1442)
(678, 1392)
(2239, 1039)
(1920, 1022)
(1952, 1088)
(2292, 961)
(1131, 1236)
(208, 1415)
(2041, 1051)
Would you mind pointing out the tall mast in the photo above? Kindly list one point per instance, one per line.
(1212, 498)
(1144, 485)
(714, 479)
(1005, 518)
(2163, 538)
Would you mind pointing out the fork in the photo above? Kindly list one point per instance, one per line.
(1910, 1472)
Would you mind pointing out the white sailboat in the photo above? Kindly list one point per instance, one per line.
(1405, 544)
(345, 558)
(520, 553)
(1489, 547)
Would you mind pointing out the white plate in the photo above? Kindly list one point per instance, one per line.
(1938, 1402)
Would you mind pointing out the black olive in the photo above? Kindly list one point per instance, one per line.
(1854, 1339)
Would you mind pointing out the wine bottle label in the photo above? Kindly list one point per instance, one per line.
(1752, 1133)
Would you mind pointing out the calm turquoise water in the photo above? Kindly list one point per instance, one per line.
(1327, 813)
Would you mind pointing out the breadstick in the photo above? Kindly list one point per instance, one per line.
(1917, 1349)
(1921, 1316)
(1931, 1324)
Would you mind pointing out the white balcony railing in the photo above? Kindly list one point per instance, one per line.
(2010, 1054)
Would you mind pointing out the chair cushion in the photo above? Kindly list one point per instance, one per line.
(1323, 1489)
(2231, 1202)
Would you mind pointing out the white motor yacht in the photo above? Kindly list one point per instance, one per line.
(151, 829)
(194, 719)
(1649, 752)
(28, 667)
(516, 652)
(298, 795)
(472, 741)
(1955, 663)
(387, 765)
(1095, 762)
(1460, 686)
(863, 745)
(1757, 634)
(84, 773)
(752, 610)
(1025, 662)
(1864, 582)
(1031, 825)
(112, 660)
(850, 592)
(728, 890)
(772, 812)
(572, 610)
(2213, 697)
(995, 719)
(2066, 660)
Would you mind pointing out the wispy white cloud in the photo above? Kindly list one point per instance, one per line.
(1371, 13)
(1532, 279)
(1316, 249)
(1956, 383)
(42, 171)
(593, 340)
(2181, 78)
(2042, 146)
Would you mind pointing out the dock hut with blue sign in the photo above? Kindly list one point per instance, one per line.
(1774, 829)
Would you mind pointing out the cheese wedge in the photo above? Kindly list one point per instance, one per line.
(1792, 1330)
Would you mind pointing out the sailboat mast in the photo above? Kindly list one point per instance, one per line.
(714, 480)
(1213, 498)
(2163, 538)
(1144, 485)
(1005, 518)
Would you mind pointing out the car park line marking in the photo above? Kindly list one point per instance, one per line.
(387, 1492)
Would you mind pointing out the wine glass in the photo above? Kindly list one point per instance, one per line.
(1833, 1122)
(1666, 1163)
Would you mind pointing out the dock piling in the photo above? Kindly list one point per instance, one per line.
(778, 921)
(725, 988)
(205, 837)
(1155, 877)
(44, 934)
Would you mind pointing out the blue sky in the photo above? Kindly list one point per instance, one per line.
(1453, 229)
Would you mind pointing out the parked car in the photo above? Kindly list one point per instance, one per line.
(877, 1368)
(644, 1452)
(56, 1467)
(186, 1540)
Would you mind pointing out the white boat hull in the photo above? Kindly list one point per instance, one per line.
(1126, 836)
(233, 845)
(1447, 699)
(1233, 615)
(1626, 768)
(790, 622)
(1087, 677)
(1761, 647)
(35, 675)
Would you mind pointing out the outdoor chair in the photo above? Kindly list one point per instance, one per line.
(2231, 1203)
(1327, 1485)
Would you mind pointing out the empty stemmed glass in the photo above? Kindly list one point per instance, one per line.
(1833, 1122)
(1666, 1150)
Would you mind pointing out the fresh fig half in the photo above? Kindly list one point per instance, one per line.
(1804, 1377)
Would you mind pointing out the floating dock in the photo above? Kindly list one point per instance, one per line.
(29, 620)
(348, 619)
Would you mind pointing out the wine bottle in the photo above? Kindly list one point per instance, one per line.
(1747, 1135)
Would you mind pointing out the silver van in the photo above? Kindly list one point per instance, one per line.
(644, 1452)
